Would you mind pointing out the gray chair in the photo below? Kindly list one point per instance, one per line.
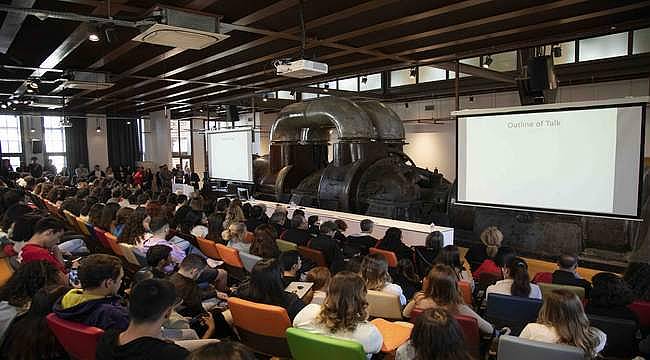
(248, 260)
(514, 348)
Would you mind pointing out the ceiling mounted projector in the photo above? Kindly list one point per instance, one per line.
(301, 68)
(182, 29)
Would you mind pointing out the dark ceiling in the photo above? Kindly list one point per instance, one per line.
(352, 36)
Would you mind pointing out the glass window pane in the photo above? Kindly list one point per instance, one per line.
(331, 85)
(54, 135)
(283, 94)
(430, 73)
(603, 47)
(350, 84)
(476, 61)
(401, 77)
(58, 161)
(452, 75)
(372, 82)
(14, 161)
(568, 53)
(186, 146)
(10, 137)
(641, 41)
(175, 161)
(185, 125)
(506, 61)
(307, 96)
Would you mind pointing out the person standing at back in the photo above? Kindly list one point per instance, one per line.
(34, 168)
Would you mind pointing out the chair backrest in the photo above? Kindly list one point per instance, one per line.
(127, 252)
(384, 305)
(466, 291)
(547, 288)
(314, 255)
(285, 245)
(207, 248)
(390, 256)
(229, 255)
(112, 242)
(308, 346)
(71, 220)
(100, 234)
(621, 335)
(511, 311)
(469, 325)
(515, 348)
(543, 277)
(260, 326)
(5, 271)
(78, 340)
(642, 310)
(414, 314)
(83, 227)
(486, 279)
(249, 260)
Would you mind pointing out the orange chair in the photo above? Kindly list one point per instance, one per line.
(208, 248)
(465, 290)
(5, 271)
(469, 325)
(112, 242)
(78, 340)
(83, 226)
(101, 237)
(314, 255)
(229, 256)
(394, 333)
(390, 256)
(72, 220)
(262, 327)
(543, 277)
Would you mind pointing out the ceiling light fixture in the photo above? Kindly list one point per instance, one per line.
(98, 129)
(487, 62)
(413, 73)
(93, 37)
(3, 105)
(265, 98)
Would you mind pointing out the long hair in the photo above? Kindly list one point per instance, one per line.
(374, 271)
(266, 283)
(264, 244)
(123, 215)
(215, 227)
(438, 336)
(234, 214)
(392, 239)
(345, 305)
(441, 286)
(609, 290)
(563, 311)
(109, 213)
(27, 280)
(133, 231)
(492, 238)
(234, 232)
(518, 270)
(450, 256)
(637, 276)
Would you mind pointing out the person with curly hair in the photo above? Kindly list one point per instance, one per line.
(344, 314)
(133, 232)
(637, 276)
(264, 244)
(610, 296)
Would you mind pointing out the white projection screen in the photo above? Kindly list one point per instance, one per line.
(230, 155)
(577, 158)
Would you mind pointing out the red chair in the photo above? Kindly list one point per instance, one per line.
(469, 325)
(543, 277)
(642, 310)
(466, 291)
(100, 234)
(78, 340)
(390, 256)
(314, 255)
(414, 314)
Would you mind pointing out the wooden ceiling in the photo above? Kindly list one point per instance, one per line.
(352, 36)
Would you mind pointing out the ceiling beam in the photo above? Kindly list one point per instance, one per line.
(478, 72)
(116, 5)
(12, 23)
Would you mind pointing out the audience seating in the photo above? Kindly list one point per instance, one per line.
(5, 270)
(72, 221)
(621, 336)
(261, 327)
(307, 346)
(129, 255)
(642, 310)
(469, 325)
(515, 348)
(248, 260)
(543, 277)
(78, 340)
(101, 237)
(511, 311)
(466, 291)
(484, 280)
(285, 246)
(390, 256)
(208, 248)
(314, 255)
(414, 314)
(83, 227)
(383, 305)
(547, 288)
(232, 260)
(394, 333)
(112, 242)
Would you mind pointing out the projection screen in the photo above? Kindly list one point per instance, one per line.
(579, 158)
(230, 155)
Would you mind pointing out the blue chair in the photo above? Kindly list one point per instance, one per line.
(515, 348)
(511, 311)
(621, 336)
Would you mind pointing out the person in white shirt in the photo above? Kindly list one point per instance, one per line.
(321, 278)
(562, 320)
(374, 270)
(347, 296)
(516, 282)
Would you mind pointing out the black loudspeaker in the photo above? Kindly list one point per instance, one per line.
(232, 115)
(541, 74)
(37, 146)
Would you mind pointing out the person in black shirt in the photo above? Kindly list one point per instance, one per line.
(297, 234)
(290, 264)
(341, 228)
(312, 225)
(358, 244)
(610, 297)
(160, 261)
(392, 241)
(491, 239)
(35, 169)
(151, 303)
(256, 219)
(567, 275)
(425, 256)
(326, 244)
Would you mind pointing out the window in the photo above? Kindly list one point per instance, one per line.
(10, 139)
(402, 77)
(307, 96)
(602, 47)
(350, 84)
(568, 53)
(641, 41)
(506, 61)
(372, 82)
(181, 136)
(141, 137)
(430, 73)
(289, 95)
(54, 140)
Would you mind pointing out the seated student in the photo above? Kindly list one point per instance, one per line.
(341, 228)
(450, 256)
(151, 303)
(425, 256)
(392, 241)
(562, 320)
(374, 271)
(436, 335)
(159, 261)
(265, 286)
(290, 264)
(494, 265)
(611, 297)
(223, 350)
(326, 243)
(43, 244)
(159, 227)
(298, 233)
(313, 227)
(96, 303)
(29, 337)
(344, 314)
(441, 291)
(235, 235)
(264, 244)
(107, 219)
(491, 239)
(256, 219)
(516, 282)
(406, 277)
(321, 277)
(133, 232)
(567, 274)
(121, 218)
(637, 277)
(18, 291)
(358, 244)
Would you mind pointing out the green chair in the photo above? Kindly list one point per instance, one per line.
(547, 288)
(308, 346)
(284, 245)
